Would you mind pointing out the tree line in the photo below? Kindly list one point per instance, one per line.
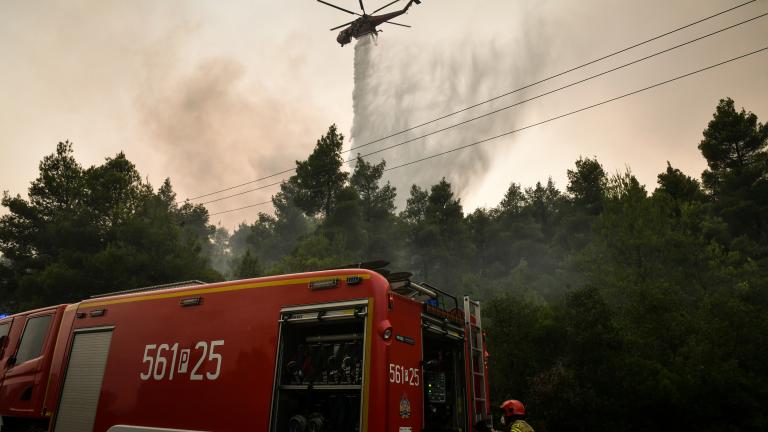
(608, 306)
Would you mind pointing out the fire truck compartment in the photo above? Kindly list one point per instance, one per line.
(444, 382)
(319, 375)
(82, 384)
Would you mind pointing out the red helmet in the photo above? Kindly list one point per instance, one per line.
(512, 407)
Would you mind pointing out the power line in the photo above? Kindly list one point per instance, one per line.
(494, 98)
(243, 192)
(551, 119)
(557, 75)
(455, 125)
(562, 88)
(578, 110)
(241, 208)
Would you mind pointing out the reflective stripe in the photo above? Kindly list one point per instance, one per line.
(367, 367)
(520, 426)
(123, 428)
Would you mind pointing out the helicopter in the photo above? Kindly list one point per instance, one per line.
(366, 24)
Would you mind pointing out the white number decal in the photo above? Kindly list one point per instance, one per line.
(194, 376)
(160, 360)
(147, 358)
(184, 360)
(158, 367)
(175, 349)
(217, 358)
(403, 375)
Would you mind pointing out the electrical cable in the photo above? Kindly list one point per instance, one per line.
(241, 208)
(496, 97)
(561, 88)
(496, 111)
(243, 192)
(556, 75)
(551, 119)
(578, 110)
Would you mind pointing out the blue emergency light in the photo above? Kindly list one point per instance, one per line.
(3, 315)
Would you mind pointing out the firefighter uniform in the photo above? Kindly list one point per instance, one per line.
(520, 426)
(514, 412)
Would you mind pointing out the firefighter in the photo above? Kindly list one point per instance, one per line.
(514, 416)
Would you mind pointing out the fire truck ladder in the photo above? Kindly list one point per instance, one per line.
(477, 360)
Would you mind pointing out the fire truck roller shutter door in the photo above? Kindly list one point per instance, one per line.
(82, 384)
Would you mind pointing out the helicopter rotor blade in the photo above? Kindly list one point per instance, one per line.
(339, 8)
(394, 23)
(362, 7)
(385, 6)
(343, 25)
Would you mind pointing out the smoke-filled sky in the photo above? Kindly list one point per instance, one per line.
(212, 94)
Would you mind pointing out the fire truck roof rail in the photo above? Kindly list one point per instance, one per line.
(444, 296)
(377, 266)
(151, 288)
(422, 290)
(370, 265)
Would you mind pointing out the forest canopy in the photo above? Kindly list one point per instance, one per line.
(608, 305)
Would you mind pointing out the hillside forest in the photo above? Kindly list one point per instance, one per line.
(609, 305)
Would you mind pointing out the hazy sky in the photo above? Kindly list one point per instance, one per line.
(213, 93)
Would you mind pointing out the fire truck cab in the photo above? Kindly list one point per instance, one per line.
(26, 346)
(340, 350)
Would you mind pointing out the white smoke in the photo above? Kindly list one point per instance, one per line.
(399, 86)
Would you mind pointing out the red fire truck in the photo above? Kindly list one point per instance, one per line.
(343, 350)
